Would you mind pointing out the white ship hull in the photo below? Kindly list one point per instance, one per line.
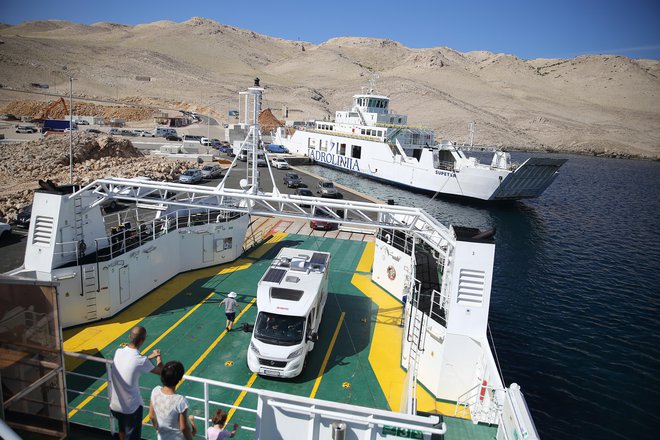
(463, 177)
(111, 272)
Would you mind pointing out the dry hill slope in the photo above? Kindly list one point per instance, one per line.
(596, 103)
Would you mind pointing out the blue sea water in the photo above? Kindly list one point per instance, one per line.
(576, 293)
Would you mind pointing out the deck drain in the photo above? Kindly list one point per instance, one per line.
(346, 385)
(229, 363)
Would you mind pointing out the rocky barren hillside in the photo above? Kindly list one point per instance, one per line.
(596, 104)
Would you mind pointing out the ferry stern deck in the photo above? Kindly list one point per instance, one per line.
(355, 361)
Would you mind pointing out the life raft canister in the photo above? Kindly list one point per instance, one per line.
(482, 393)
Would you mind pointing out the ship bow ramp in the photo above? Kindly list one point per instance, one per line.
(529, 180)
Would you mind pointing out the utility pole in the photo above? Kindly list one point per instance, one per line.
(70, 130)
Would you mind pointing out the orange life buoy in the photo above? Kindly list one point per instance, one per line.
(482, 393)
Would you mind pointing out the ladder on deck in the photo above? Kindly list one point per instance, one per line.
(90, 289)
(416, 337)
(78, 220)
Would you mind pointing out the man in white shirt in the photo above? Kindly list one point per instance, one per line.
(125, 397)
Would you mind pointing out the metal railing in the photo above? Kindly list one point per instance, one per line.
(413, 220)
(373, 420)
(480, 403)
(443, 165)
(103, 392)
(125, 237)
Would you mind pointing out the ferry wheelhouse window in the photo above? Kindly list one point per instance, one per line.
(356, 151)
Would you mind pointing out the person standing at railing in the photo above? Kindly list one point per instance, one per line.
(168, 410)
(217, 431)
(125, 398)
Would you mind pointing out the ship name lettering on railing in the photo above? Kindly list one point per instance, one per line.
(334, 159)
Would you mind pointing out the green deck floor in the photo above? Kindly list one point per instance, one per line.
(348, 376)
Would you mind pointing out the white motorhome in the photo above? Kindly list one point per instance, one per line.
(291, 297)
(164, 131)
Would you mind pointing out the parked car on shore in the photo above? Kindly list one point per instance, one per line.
(23, 217)
(171, 137)
(5, 230)
(327, 189)
(292, 180)
(26, 129)
(305, 192)
(211, 171)
(192, 175)
(280, 164)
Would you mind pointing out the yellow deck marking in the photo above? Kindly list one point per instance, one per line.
(272, 241)
(217, 340)
(327, 356)
(144, 352)
(367, 258)
(385, 356)
(240, 264)
(240, 397)
(208, 350)
(95, 337)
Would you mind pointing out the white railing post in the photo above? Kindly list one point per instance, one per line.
(206, 407)
(108, 369)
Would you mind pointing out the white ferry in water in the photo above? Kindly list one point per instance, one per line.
(372, 141)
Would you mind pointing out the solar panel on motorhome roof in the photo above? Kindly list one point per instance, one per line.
(274, 275)
(319, 259)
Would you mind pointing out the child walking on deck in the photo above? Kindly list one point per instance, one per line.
(230, 309)
(217, 431)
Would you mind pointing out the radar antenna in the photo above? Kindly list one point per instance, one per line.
(372, 82)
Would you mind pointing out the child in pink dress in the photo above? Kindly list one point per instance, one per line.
(216, 432)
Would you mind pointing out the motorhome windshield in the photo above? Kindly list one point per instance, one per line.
(272, 328)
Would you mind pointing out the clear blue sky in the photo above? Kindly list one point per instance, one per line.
(526, 28)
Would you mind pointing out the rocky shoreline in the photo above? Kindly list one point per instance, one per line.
(22, 165)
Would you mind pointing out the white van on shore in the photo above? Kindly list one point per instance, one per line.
(291, 297)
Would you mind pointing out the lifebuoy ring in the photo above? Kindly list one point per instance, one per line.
(482, 393)
(391, 272)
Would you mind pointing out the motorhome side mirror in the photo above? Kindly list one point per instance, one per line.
(314, 337)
